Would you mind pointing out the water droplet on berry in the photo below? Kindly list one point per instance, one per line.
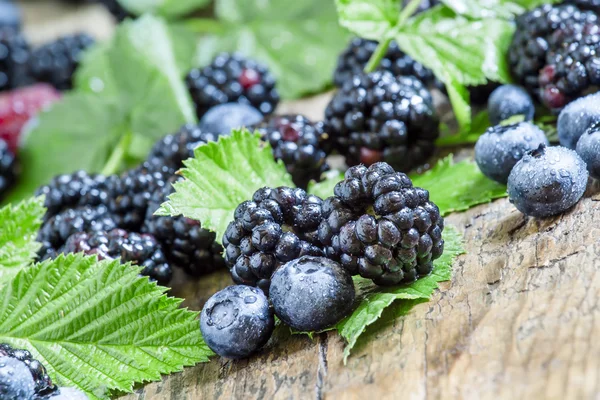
(250, 299)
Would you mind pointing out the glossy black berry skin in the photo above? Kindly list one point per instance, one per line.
(588, 148)
(302, 145)
(16, 381)
(378, 117)
(508, 101)
(312, 293)
(9, 169)
(186, 244)
(501, 147)
(379, 226)
(237, 321)
(278, 225)
(576, 118)
(56, 62)
(547, 181)
(139, 249)
(14, 57)
(42, 383)
(223, 118)
(232, 78)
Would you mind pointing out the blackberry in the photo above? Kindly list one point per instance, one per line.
(277, 226)
(232, 78)
(139, 249)
(507, 101)
(56, 62)
(9, 168)
(43, 383)
(540, 32)
(186, 243)
(593, 5)
(379, 226)
(237, 321)
(354, 58)
(14, 56)
(300, 144)
(379, 117)
(15, 380)
(222, 119)
(56, 230)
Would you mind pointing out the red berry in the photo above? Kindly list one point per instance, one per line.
(249, 78)
(20, 105)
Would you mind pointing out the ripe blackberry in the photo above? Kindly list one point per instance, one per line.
(539, 32)
(232, 78)
(139, 249)
(277, 226)
(186, 243)
(593, 5)
(379, 117)
(14, 55)
(354, 58)
(9, 168)
(43, 383)
(56, 230)
(379, 226)
(300, 144)
(56, 62)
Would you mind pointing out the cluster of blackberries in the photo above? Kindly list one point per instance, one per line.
(113, 216)
(24, 378)
(302, 251)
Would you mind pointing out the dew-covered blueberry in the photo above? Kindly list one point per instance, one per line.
(588, 148)
(501, 147)
(576, 118)
(547, 181)
(16, 381)
(311, 293)
(237, 321)
(507, 101)
(222, 119)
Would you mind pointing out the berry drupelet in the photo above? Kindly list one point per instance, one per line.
(277, 226)
(43, 383)
(14, 56)
(379, 226)
(9, 168)
(379, 117)
(139, 249)
(186, 243)
(232, 78)
(301, 145)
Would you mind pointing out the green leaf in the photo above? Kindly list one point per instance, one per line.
(130, 86)
(506, 9)
(18, 247)
(370, 19)
(324, 189)
(166, 8)
(97, 325)
(458, 186)
(373, 300)
(299, 41)
(220, 176)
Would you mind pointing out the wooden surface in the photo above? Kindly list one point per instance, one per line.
(519, 319)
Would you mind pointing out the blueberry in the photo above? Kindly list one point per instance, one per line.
(16, 382)
(576, 118)
(588, 148)
(10, 14)
(237, 321)
(223, 118)
(67, 393)
(501, 147)
(507, 101)
(547, 181)
(311, 293)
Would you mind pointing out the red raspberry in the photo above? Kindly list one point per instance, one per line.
(18, 106)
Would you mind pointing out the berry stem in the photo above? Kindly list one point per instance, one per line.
(204, 25)
(118, 155)
(379, 53)
(408, 11)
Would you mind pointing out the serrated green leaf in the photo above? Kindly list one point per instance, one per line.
(299, 41)
(166, 8)
(97, 325)
(373, 300)
(372, 19)
(458, 186)
(324, 189)
(506, 9)
(18, 247)
(222, 175)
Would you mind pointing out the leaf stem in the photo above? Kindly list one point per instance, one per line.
(408, 11)
(204, 25)
(118, 155)
(375, 59)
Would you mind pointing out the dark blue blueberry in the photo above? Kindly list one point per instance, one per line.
(576, 118)
(507, 101)
(311, 293)
(16, 382)
(67, 393)
(588, 148)
(547, 181)
(501, 147)
(237, 321)
(222, 119)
